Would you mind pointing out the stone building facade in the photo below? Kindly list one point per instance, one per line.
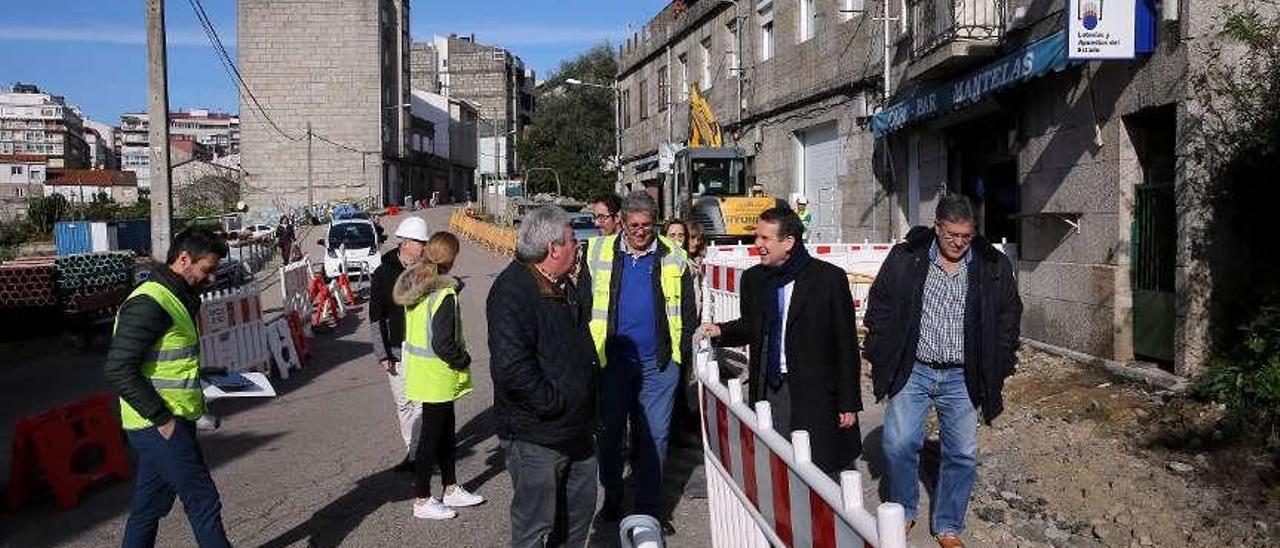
(1081, 166)
(340, 69)
(494, 80)
(797, 88)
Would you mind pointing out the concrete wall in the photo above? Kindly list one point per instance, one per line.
(337, 92)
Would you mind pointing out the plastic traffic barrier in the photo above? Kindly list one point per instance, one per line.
(763, 488)
(232, 334)
(69, 448)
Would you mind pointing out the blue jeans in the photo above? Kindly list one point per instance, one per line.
(645, 394)
(167, 469)
(945, 390)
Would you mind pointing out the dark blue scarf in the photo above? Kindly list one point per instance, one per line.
(775, 281)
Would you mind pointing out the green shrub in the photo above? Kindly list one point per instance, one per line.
(44, 211)
(1246, 377)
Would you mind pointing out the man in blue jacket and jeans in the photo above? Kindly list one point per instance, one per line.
(943, 322)
(639, 289)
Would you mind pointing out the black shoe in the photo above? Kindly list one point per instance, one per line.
(668, 528)
(405, 465)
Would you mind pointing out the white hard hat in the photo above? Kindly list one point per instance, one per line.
(802, 200)
(413, 228)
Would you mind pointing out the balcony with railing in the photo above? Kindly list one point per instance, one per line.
(948, 35)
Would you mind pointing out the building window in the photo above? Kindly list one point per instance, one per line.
(15, 170)
(626, 108)
(731, 50)
(765, 16)
(664, 93)
(704, 57)
(640, 96)
(849, 8)
(683, 83)
(808, 19)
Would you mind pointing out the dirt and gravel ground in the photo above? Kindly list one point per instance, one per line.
(1082, 459)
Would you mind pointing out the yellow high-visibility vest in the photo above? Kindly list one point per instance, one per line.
(600, 253)
(427, 377)
(173, 363)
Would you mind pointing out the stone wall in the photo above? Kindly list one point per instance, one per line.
(310, 61)
(804, 84)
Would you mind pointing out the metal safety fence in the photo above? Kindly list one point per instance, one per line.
(763, 488)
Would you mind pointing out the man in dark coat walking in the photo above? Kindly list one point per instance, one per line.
(943, 322)
(798, 317)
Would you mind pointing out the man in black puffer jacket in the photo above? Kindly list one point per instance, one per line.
(544, 383)
(943, 322)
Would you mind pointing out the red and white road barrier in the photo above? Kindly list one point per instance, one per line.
(232, 334)
(295, 284)
(722, 272)
(764, 489)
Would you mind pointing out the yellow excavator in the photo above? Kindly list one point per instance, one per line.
(710, 184)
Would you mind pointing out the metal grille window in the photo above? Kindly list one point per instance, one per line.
(935, 23)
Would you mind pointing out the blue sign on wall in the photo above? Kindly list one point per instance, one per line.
(1040, 57)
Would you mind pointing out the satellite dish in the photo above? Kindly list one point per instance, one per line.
(242, 207)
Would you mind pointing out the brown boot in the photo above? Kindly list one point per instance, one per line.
(950, 540)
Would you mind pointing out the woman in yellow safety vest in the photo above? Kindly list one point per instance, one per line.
(436, 371)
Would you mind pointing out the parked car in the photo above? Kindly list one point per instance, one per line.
(355, 242)
(583, 225)
(261, 232)
(231, 273)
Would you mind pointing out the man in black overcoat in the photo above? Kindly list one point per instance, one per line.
(798, 317)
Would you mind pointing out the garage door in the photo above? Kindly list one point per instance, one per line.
(819, 163)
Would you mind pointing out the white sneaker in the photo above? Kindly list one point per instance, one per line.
(460, 498)
(432, 508)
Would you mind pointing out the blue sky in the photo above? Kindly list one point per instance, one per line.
(93, 52)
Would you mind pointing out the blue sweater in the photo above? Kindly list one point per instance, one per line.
(636, 337)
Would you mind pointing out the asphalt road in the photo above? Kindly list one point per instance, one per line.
(312, 466)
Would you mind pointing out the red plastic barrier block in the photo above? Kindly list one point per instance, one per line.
(72, 447)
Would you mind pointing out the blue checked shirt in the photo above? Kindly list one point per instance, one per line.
(942, 311)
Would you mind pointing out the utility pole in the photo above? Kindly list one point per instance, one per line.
(311, 193)
(158, 132)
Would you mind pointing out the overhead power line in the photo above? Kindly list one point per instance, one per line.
(233, 73)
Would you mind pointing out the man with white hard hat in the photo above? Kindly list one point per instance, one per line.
(806, 216)
(386, 326)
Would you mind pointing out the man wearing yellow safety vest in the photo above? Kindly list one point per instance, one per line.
(640, 292)
(806, 216)
(154, 365)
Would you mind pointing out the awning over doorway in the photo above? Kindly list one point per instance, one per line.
(1038, 58)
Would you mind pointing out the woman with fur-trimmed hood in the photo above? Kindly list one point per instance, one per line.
(436, 368)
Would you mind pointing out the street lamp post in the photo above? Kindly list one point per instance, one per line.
(617, 119)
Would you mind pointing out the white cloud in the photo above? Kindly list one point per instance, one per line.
(540, 35)
(129, 37)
